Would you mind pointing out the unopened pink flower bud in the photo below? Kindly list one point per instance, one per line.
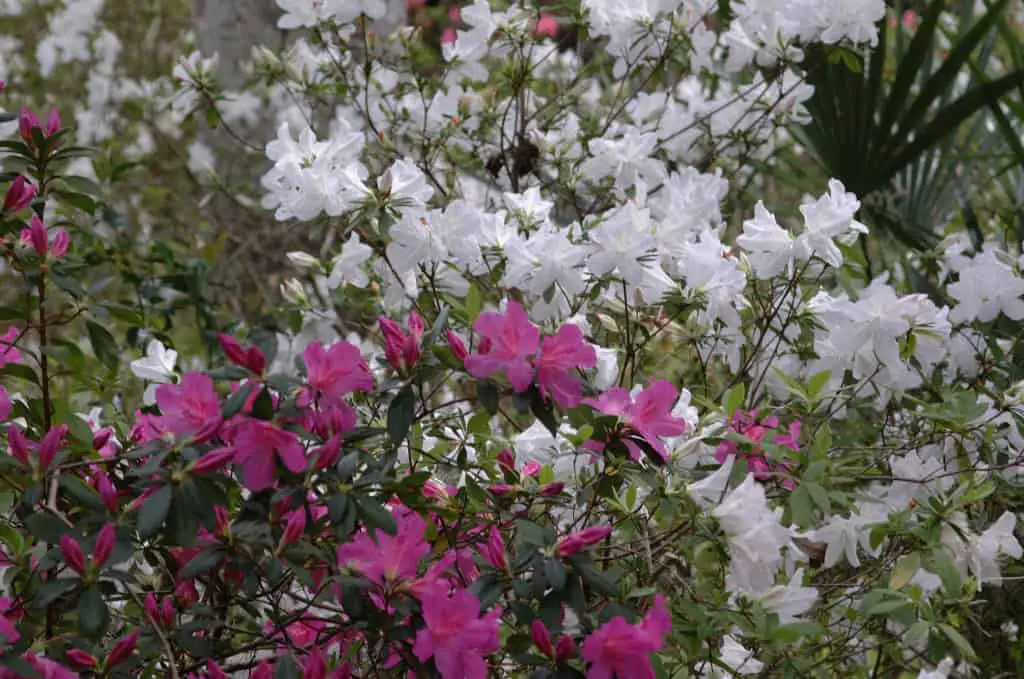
(73, 555)
(105, 487)
(59, 246)
(27, 122)
(52, 123)
(51, 443)
(213, 460)
(80, 659)
(541, 637)
(531, 468)
(294, 528)
(150, 607)
(101, 438)
(507, 460)
(554, 488)
(20, 447)
(565, 650)
(457, 346)
(494, 550)
(577, 542)
(252, 359)
(104, 547)
(167, 611)
(123, 648)
(500, 489)
(20, 195)
(186, 593)
(36, 236)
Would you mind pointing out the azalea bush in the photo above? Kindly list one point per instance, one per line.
(554, 398)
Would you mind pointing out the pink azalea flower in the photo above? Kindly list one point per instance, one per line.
(493, 551)
(649, 415)
(256, 442)
(619, 649)
(8, 632)
(388, 558)
(337, 370)
(190, 406)
(5, 404)
(546, 25)
(455, 635)
(508, 343)
(748, 425)
(559, 355)
(8, 352)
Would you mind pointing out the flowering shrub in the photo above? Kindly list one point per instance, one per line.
(595, 430)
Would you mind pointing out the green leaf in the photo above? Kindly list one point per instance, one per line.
(46, 527)
(905, 568)
(958, 640)
(82, 493)
(263, 408)
(20, 371)
(82, 185)
(474, 303)
(103, 344)
(734, 399)
(202, 562)
(234, 403)
(93, 614)
(153, 512)
(401, 414)
(50, 591)
(376, 516)
(487, 392)
(555, 573)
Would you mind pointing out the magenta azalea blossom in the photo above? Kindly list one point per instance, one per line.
(8, 352)
(256, 443)
(559, 355)
(336, 371)
(456, 636)
(388, 558)
(508, 343)
(618, 649)
(748, 425)
(649, 414)
(189, 406)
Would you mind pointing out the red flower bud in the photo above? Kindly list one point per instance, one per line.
(52, 123)
(263, 671)
(507, 460)
(123, 648)
(36, 236)
(80, 659)
(104, 547)
(167, 611)
(554, 488)
(541, 637)
(500, 489)
(72, 552)
(565, 650)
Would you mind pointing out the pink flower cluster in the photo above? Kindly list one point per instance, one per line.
(754, 428)
(647, 416)
(509, 342)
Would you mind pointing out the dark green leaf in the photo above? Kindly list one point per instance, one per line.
(487, 392)
(204, 561)
(401, 413)
(263, 408)
(93, 615)
(46, 527)
(103, 344)
(376, 516)
(153, 512)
